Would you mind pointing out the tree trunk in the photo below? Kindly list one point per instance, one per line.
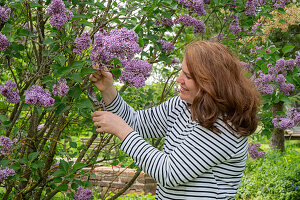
(277, 138)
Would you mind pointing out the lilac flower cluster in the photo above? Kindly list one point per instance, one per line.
(62, 88)
(4, 14)
(255, 27)
(164, 22)
(166, 46)
(195, 6)
(38, 96)
(247, 67)
(135, 72)
(83, 194)
(279, 4)
(119, 44)
(82, 43)
(4, 42)
(219, 36)
(5, 173)
(187, 20)
(59, 15)
(254, 153)
(276, 76)
(10, 92)
(234, 26)
(6, 145)
(292, 117)
(250, 7)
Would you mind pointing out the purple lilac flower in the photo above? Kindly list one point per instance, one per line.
(195, 6)
(40, 127)
(10, 92)
(247, 67)
(4, 14)
(283, 123)
(279, 4)
(297, 61)
(135, 72)
(174, 61)
(219, 36)
(286, 88)
(255, 27)
(280, 65)
(4, 42)
(82, 43)
(186, 20)
(83, 194)
(290, 64)
(62, 89)
(206, 1)
(38, 96)
(166, 22)
(280, 78)
(6, 145)
(166, 46)
(250, 7)
(59, 15)
(234, 26)
(120, 44)
(293, 114)
(5, 173)
(254, 153)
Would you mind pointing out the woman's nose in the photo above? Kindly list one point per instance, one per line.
(179, 78)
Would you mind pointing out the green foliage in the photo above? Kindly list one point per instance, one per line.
(276, 176)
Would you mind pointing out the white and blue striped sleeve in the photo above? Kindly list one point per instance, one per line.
(150, 123)
(195, 155)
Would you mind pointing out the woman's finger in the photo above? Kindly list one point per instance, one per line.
(99, 130)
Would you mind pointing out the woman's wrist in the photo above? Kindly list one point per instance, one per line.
(109, 95)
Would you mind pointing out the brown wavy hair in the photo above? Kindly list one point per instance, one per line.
(224, 90)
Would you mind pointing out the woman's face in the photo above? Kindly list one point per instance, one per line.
(188, 88)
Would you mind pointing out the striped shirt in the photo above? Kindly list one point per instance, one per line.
(195, 162)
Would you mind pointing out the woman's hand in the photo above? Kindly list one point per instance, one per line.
(102, 79)
(111, 123)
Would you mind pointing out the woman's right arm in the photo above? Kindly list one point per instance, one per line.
(151, 123)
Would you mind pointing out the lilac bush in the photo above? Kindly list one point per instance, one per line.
(10, 91)
(61, 89)
(39, 96)
(6, 173)
(253, 151)
(59, 15)
(4, 42)
(83, 194)
(82, 43)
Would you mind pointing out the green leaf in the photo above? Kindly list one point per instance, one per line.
(59, 173)
(37, 165)
(78, 16)
(24, 32)
(76, 64)
(4, 163)
(78, 166)
(287, 48)
(116, 72)
(49, 41)
(84, 103)
(63, 165)
(33, 156)
(75, 91)
(86, 23)
(76, 77)
(15, 166)
(73, 144)
(87, 70)
(61, 109)
(63, 187)
(34, 5)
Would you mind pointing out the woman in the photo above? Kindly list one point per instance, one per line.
(205, 128)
